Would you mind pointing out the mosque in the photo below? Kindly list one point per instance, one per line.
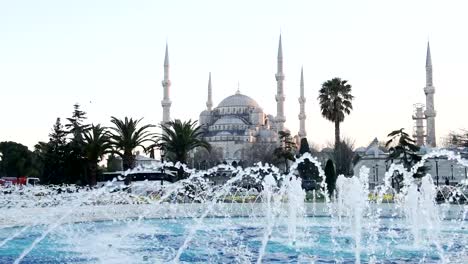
(239, 121)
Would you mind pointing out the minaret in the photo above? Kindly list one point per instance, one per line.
(280, 118)
(302, 116)
(209, 102)
(166, 83)
(430, 112)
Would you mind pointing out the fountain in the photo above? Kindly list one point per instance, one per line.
(258, 216)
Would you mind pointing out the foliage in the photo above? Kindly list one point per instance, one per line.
(17, 160)
(113, 163)
(304, 147)
(307, 170)
(53, 155)
(96, 144)
(126, 136)
(403, 148)
(335, 102)
(75, 159)
(287, 148)
(75, 125)
(343, 155)
(178, 138)
(458, 139)
(330, 177)
(204, 159)
(259, 152)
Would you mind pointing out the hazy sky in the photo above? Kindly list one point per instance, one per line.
(108, 56)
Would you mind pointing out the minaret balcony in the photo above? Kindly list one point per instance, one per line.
(166, 83)
(280, 119)
(430, 113)
(429, 90)
(279, 76)
(166, 103)
(279, 98)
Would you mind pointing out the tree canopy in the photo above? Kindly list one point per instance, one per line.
(287, 148)
(335, 102)
(126, 136)
(403, 149)
(178, 138)
(17, 160)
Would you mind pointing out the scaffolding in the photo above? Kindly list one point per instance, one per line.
(419, 129)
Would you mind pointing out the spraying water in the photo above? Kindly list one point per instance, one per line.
(258, 215)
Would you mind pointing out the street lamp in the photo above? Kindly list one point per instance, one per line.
(451, 167)
(395, 180)
(377, 173)
(162, 153)
(437, 171)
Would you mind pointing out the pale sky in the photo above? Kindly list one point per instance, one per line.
(108, 56)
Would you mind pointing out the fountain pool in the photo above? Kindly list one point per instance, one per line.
(228, 240)
(194, 221)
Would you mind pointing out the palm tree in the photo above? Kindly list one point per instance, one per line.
(96, 144)
(127, 136)
(335, 102)
(178, 138)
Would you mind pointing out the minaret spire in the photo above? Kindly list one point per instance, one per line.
(166, 83)
(280, 118)
(428, 66)
(302, 116)
(430, 112)
(209, 102)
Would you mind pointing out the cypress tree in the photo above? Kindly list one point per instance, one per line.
(330, 177)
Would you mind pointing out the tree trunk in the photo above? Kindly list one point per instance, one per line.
(92, 173)
(128, 162)
(337, 134)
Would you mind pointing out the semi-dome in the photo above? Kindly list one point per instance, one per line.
(258, 110)
(238, 100)
(205, 113)
(267, 133)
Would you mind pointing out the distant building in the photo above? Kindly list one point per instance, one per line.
(374, 157)
(114, 163)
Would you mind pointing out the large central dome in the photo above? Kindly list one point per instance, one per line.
(238, 100)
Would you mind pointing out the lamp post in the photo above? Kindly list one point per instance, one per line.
(162, 153)
(437, 171)
(451, 168)
(376, 173)
(395, 181)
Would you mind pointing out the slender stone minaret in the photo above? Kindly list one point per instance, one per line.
(302, 116)
(280, 118)
(430, 112)
(166, 83)
(209, 102)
